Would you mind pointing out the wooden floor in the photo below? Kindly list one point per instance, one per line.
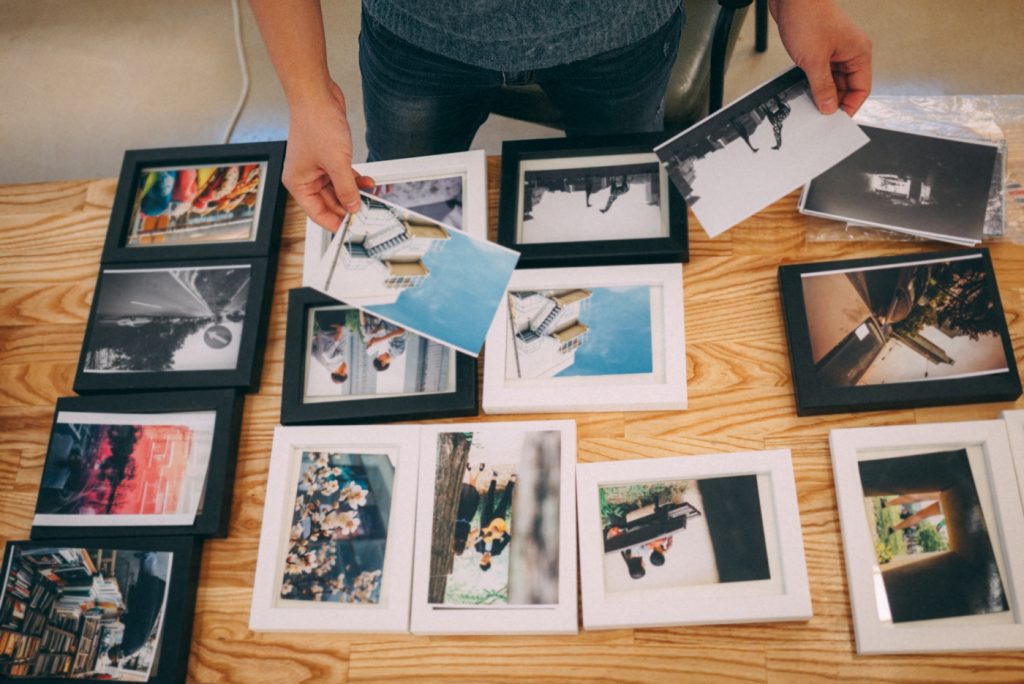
(740, 398)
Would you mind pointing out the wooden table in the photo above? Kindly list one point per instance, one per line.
(740, 397)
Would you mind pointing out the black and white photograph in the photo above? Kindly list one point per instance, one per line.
(920, 184)
(169, 319)
(344, 365)
(680, 540)
(758, 149)
(589, 201)
(97, 610)
(593, 198)
(208, 202)
(193, 324)
(901, 323)
(930, 517)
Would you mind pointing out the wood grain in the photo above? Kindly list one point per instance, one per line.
(741, 399)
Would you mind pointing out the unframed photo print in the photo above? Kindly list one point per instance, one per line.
(610, 197)
(416, 273)
(448, 188)
(766, 144)
(125, 469)
(168, 319)
(921, 184)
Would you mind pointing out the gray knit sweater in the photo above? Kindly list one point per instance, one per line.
(520, 35)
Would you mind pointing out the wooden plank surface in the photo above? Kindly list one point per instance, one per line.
(741, 398)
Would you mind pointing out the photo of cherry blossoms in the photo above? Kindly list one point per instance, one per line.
(336, 544)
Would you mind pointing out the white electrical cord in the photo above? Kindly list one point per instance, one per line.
(244, 66)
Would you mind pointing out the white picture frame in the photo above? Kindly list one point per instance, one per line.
(888, 615)
(1015, 432)
(470, 167)
(697, 591)
(544, 386)
(531, 446)
(272, 613)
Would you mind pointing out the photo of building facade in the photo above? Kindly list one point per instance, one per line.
(547, 331)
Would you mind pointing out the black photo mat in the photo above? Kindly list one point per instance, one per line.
(268, 213)
(176, 618)
(907, 293)
(673, 247)
(213, 516)
(295, 410)
(143, 313)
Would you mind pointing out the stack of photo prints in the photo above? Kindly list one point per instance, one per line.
(140, 468)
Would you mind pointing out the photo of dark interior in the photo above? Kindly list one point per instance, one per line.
(959, 581)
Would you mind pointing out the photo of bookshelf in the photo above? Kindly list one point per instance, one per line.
(71, 613)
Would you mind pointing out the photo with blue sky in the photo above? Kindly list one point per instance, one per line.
(619, 338)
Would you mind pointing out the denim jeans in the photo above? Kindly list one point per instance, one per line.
(418, 103)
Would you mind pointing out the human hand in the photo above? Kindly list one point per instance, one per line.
(831, 50)
(318, 164)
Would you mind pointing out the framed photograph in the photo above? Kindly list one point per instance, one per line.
(416, 273)
(932, 522)
(1015, 430)
(140, 465)
(449, 188)
(98, 610)
(691, 540)
(496, 531)
(192, 324)
(337, 537)
(921, 330)
(597, 338)
(216, 201)
(343, 365)
(761, 147)
(925, 185)
(588, 202)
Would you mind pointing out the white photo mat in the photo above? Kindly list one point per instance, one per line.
(785, 596)
(1015, 431)
(201, 424)
(269, 612)
(470, 166)
(992, 471)
(559, 618)
(664, 388)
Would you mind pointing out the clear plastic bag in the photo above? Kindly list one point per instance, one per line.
(995, 118)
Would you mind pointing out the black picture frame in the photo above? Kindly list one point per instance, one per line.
(294, 411)
(858, 349)
(212, 519)
(672, 248)
(246, 373)
(268, 220)
(171, 664)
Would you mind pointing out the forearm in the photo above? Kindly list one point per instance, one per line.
(293, 31)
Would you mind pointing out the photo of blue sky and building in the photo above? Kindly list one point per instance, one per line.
(579, 332)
